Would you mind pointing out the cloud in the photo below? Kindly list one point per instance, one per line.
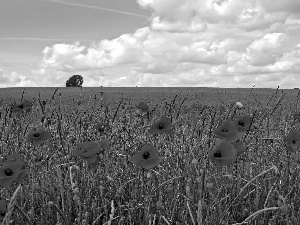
(15, 80)
(266, 50)
(222, 43)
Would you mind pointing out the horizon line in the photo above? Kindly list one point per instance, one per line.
(295, 88)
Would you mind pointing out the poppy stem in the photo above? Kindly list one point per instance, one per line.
(117, 111)
(22, 95)
(54, 94)
(288, 168)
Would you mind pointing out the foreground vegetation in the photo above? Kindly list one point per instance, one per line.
(261, 185)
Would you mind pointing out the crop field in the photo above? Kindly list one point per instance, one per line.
(78, 156)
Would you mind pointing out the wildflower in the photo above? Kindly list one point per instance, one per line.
(223, 153)
(292, 140)
(37, 137)
(89, 150)
(102, 127)
(228, 131)
(146, 158)
(12, 172)
(239, 147)
(244, 122)
(104, 145)
(3, 208)
(164, 125)
(143, 107)
(23, 106)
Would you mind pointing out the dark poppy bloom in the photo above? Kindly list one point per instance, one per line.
(12, 172)
(146, 158)
(223, 153)
(89, 150)
(3, 209)
(243, 123)
(228, 130)
(102, 127)
(143, 107)
(24, 106)
(292, 140)
(13, 158)
(164, 125)
(104, 145)
(239, 147)
(37, 137)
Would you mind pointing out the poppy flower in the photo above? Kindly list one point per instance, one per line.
(223, 153)
(239, 147)
(143, 107)
(89, 150)
(146, 158)
(23, 106)
(3, 209)
(164, 125)
(13, 157)
(228, 130)
(243, 123)
(102, 127)
(292, 140)
(104, 145)
(37, 137)
(12, 172)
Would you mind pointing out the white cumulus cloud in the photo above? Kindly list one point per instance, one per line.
(224, 43)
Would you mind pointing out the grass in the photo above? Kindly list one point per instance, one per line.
(260, 187)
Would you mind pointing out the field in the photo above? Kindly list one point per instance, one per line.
(260, 186)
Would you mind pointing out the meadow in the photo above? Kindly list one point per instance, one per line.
(260, 186)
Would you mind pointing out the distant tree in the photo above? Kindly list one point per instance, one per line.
(75, 81)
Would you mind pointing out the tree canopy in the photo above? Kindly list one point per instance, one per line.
(75, 81)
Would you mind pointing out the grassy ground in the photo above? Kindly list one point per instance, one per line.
(260, 187)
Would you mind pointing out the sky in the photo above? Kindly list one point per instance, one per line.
(160, 43)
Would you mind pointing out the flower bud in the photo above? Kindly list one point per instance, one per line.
(209, 185)
(149, 175)
(195, 161)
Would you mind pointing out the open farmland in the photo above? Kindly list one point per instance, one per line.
(260, 186)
